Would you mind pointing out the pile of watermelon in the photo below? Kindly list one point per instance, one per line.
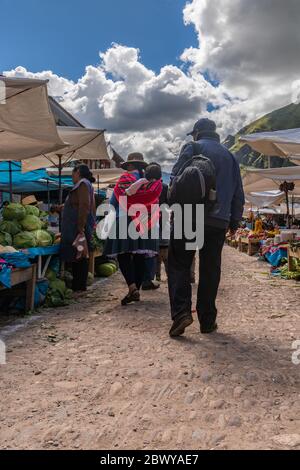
(106, 269)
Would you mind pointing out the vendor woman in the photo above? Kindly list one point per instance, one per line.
(78, 221)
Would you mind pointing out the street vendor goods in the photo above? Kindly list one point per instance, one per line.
(14, 211)
(5, 239)
(25, 227)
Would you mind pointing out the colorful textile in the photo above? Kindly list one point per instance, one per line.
(9, 261)
(147, 196)
(275, 255)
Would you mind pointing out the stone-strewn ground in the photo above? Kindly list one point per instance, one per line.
(98, 376)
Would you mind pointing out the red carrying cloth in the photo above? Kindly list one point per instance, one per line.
(148, 196)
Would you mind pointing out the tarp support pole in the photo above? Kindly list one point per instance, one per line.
(60, 195)
(287, 208)
(48, 195)
(59, 180)
(10, 181)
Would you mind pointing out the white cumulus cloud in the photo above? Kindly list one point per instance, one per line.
(248, 49)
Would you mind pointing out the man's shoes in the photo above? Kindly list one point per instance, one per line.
(150, 285)
(207, 330)
(179, 326)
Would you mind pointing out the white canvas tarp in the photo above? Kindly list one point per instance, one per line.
(265, 199)
(83, 144)
(294, 209)
(27, 125)
(270, 180)
(276, 144)
(105, 175)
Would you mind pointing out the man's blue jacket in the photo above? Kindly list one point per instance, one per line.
(228, 211)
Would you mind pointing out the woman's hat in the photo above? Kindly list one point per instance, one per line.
(29, 200)
(135, 158)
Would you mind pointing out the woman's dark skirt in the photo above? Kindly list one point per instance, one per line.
(114, 247)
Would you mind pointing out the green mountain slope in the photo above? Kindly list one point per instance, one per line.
(280, 119)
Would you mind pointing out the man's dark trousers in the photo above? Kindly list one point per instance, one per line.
(180, 289)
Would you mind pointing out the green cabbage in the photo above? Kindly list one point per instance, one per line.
(32, 210)
(58, 286)
(24, 240)
(43, 238)
(31, 223)
(10, 226)
(50, 274)
(58, 295)
(52, 235)
(5, 239)
(14, 211)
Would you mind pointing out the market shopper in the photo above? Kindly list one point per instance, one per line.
(78, 221)
(163, 239)
(226, 214)
(131, 251)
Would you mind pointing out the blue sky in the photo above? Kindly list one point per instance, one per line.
(66, 35)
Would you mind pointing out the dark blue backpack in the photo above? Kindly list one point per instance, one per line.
(195, 183)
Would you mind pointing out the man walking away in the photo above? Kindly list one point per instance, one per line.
(226, 214)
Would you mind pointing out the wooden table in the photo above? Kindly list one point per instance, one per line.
(249, 245)
(93, 255)
(233, 243)
(28, 276)
(293, 253)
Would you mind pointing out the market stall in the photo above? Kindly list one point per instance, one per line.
(83, 144)
(26, 276)
(27, 125)
(284, 143)
(294, 256)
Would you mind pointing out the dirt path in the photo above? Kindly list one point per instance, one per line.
(96, 376)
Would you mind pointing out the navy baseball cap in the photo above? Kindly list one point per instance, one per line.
(203, 125)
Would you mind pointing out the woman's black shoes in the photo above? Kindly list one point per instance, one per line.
(130, 298)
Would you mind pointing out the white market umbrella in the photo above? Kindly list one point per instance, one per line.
(285, 144)
(269, 180)
(104, 176)
(27, 125)
(265, 198)
(272, 179)
(83, 144)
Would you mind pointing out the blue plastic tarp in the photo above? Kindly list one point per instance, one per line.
(33, 181)
(42, 251)
(17, 260)
(275, 257)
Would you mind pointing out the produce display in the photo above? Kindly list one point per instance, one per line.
(24, 240)
(32, 210)
(31, 223)
(291, 275)
(10, 226)
(14, 211)
(43, 238)
(257, 233)
(5, 239)
(58, 295)
(25, 227)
